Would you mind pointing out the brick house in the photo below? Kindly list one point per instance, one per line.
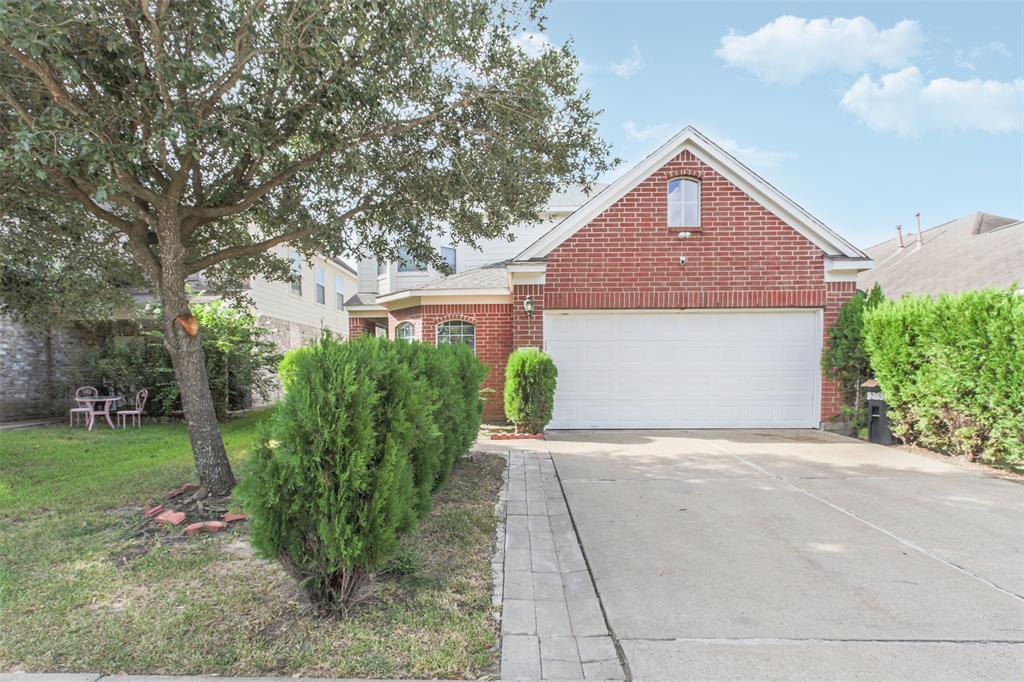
(688, 293)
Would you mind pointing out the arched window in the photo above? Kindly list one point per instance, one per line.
(683, 203)
(405, 332)
(457, 331)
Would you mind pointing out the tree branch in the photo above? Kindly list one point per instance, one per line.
(256, 248)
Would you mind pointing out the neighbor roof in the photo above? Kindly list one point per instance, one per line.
(487, 280)
(344, 265)
(976, 251)
(722, 161)
(361, 298)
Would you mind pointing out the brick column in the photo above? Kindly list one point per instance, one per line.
(528, 330)
(357, 326)
(836, 294)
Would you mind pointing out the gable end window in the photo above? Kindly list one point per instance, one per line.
(457, 331)
(684, 202)
(405, 332)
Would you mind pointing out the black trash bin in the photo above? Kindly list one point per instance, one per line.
(878, 413)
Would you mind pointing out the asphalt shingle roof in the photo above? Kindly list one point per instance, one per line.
(491, 276)
(976, 251)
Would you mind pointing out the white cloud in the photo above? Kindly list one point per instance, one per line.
(533, 44)
(750, 155)
(656, 132)
(788, 49)
(965, 58)
(629, 66)
(904, 103)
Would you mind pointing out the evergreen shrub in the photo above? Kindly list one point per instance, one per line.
(952, 371)
(366, 431)
(530, 378)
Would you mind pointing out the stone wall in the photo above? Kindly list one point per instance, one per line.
(40, 370)
(286, 336)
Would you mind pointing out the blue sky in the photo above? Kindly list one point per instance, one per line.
(863, 113)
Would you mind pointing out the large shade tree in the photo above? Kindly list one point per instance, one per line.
(155, 139)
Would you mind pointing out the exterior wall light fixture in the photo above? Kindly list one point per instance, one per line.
(528, 306)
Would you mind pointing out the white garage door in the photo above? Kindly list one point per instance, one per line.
(739, 369)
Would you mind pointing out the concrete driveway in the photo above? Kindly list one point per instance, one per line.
(796, 555)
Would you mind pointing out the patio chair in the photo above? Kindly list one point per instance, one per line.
(136, 414)
(81, 408)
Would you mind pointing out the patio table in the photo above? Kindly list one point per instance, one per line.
(107, 400)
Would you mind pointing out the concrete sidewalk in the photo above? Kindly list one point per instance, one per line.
(552, 624)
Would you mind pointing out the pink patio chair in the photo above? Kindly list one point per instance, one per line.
(82, 407)
(136, 414)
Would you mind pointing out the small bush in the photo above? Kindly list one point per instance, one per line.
(845, 359)
(530, 378)
(952, 371)
(366, 431)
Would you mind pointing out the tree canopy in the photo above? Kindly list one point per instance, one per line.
(133, 134)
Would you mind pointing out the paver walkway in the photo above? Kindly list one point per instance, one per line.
(552, 624)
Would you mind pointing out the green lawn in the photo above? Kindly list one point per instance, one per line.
(68, 502)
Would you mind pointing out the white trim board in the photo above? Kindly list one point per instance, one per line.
(690, 139)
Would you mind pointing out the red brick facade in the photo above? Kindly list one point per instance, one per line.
(493, 339)
(528, 330)
(357, 326)
(742, 256)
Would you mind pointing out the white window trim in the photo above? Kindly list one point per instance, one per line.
(437, 332)
(339, 292)
(320, 285)
(668, 204)
(295, 287)
(406, 325)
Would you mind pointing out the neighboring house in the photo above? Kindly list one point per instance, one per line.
(296, 312)
(39, 368)
(976, 251)
(688, 293)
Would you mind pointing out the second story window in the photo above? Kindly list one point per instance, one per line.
(296, 282)
(406, 263)
(448, 255)
(320, 285)
(339, 292)
(683, 203)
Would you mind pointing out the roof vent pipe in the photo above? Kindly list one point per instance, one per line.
(920, 237)
(899, 235)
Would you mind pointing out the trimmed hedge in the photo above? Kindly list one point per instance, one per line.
(952, 370)
(530, 378)
(367, 430)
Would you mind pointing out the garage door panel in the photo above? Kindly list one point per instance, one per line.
(679, 370)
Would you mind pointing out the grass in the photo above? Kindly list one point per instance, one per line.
(207, 606)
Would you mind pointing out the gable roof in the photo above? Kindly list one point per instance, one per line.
(975, 251)
(721, 161)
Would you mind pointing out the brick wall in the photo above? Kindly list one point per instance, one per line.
(528, 330)
(493, 339)
(357, 326)
(836, 294)
(742, 256)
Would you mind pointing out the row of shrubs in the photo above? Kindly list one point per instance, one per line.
(952, 370)
(366, 432)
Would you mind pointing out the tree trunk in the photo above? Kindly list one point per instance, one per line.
(186, 353)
